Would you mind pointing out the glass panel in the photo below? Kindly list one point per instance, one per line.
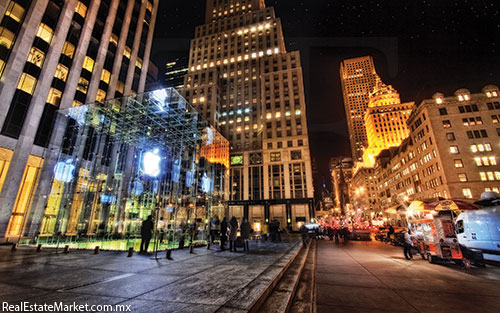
(83, 85)
(54, 97)
(36, 57)
(105, 76)
(81, 9)
(6, 38)
(68, 50)
(88, 64)
(27, 83)
(15, 11)
(5, 157)
(61, 72)
(45, 33)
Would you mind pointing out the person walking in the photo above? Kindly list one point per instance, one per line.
(303, 232)
(146, 232)
(223, 234)
(408, 245)
(233, 233)
(246, 230)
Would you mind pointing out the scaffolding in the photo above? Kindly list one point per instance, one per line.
(131, 157)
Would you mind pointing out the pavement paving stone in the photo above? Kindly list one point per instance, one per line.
(349, 280)
(145, 306)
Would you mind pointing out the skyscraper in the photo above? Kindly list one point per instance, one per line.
(55, 55)
(358, 77)
(385, 121)
(243, 80)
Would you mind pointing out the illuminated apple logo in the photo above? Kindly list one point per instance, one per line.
(151, 163)
(64, 171)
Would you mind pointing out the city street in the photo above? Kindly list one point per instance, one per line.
(375, 277)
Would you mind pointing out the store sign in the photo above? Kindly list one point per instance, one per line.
(151, 163)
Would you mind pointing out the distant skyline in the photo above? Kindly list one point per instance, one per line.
(441, 46)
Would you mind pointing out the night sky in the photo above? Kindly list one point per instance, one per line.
(439, 45)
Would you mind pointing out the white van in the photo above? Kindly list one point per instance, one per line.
(481, 230)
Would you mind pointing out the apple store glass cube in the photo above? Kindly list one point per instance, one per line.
(126, 159)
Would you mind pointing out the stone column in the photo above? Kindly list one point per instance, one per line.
(147, 53)
(101, 54)
(81, 52)
(135, 49)
(122, 40)
(3, 7)
(15, 65)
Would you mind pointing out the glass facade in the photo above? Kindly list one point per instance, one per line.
(128, 158)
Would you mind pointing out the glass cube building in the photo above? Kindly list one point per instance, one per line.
(126, 159)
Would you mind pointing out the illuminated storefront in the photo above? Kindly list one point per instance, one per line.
(149, 154)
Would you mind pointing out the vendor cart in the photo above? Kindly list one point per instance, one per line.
(435, 237)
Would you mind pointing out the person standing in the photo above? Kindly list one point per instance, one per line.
(246, 229)
(408, 245)
(223, 234)
(303, 232)
(233, 233)
(146, 231)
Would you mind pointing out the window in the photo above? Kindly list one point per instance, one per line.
(300, 143)
(446, 124)
(495, 118)
(68, 50)
(54, 97)
(6, 38)
(101, 96)
(443, 111)
(113, 39)
(454, 150)
(83, 85)
(462, 177)
(450, 136)
(459, 163)
(275, 157)
(27, 83)
(467, 193)
(138, 63)
(61, 72)
(269, 145)
(81, 9)
(127, 52)
(149, 6)
(237, 160)
(45, 33)
(493, 160)
(15, 11)
(36, 57)
(481, 148)
(105, 76)
(483, 176)
(120, 87)
(296, 155)
(88, 64)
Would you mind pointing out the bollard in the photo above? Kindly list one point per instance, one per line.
(191, 249)
(130, 252)
(39, 248)
(66, 249)
(14, 247)
(96, 250)
(169, 254)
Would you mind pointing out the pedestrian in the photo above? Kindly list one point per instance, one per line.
(223, 234)
(160, 230)
(233, 233)
(146, 232)
(390, 233)
(214, 228)
(408, 245)
(245, 230)
(278, 228)
(330, 233)
(337, 235)
(265, 231)
(345, 234)
(303, 232)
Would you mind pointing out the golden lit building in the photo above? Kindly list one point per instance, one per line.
(358, 78)
(452, 151)
(56, 55)
(242, 79)
(385, 121)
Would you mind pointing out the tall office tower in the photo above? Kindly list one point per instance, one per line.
(385, 121)
(358, 77)
(243, 80)
(54, 55)
(175, 72)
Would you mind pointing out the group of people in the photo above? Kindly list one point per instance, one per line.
(224, 231)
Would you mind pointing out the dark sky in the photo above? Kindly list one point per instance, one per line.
(436, 45)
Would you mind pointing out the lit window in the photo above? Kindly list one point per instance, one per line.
(76, 103)
(88, 64)
(36, 57)
(68, 50)
(105, 76)
(459, 163)
(15, 11)
(269, 116)
(113, 39)
(487, 147)
(45, 33)
(275, 157)
(2, 66)
(6, 38)
(483, 176)
(61, 72)
(467, 193)
(493, 160)
(101, 96)
(54, 97)
(462, 177)
(454, 150)
(278, 114)
(478, 161)
(120, 86)
(491, 176)
(81, 9)
(149, 6)
(83, 85)
(138, 63)
(439, 100)
(497, 175)
(127, 52)
(298, 112)
(27, 83)
(485, 161)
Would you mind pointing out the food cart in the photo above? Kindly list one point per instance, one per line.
(435, 237)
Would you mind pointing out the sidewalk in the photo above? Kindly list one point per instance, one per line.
(206, 281)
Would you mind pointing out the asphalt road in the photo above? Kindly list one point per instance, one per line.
(375, 277)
